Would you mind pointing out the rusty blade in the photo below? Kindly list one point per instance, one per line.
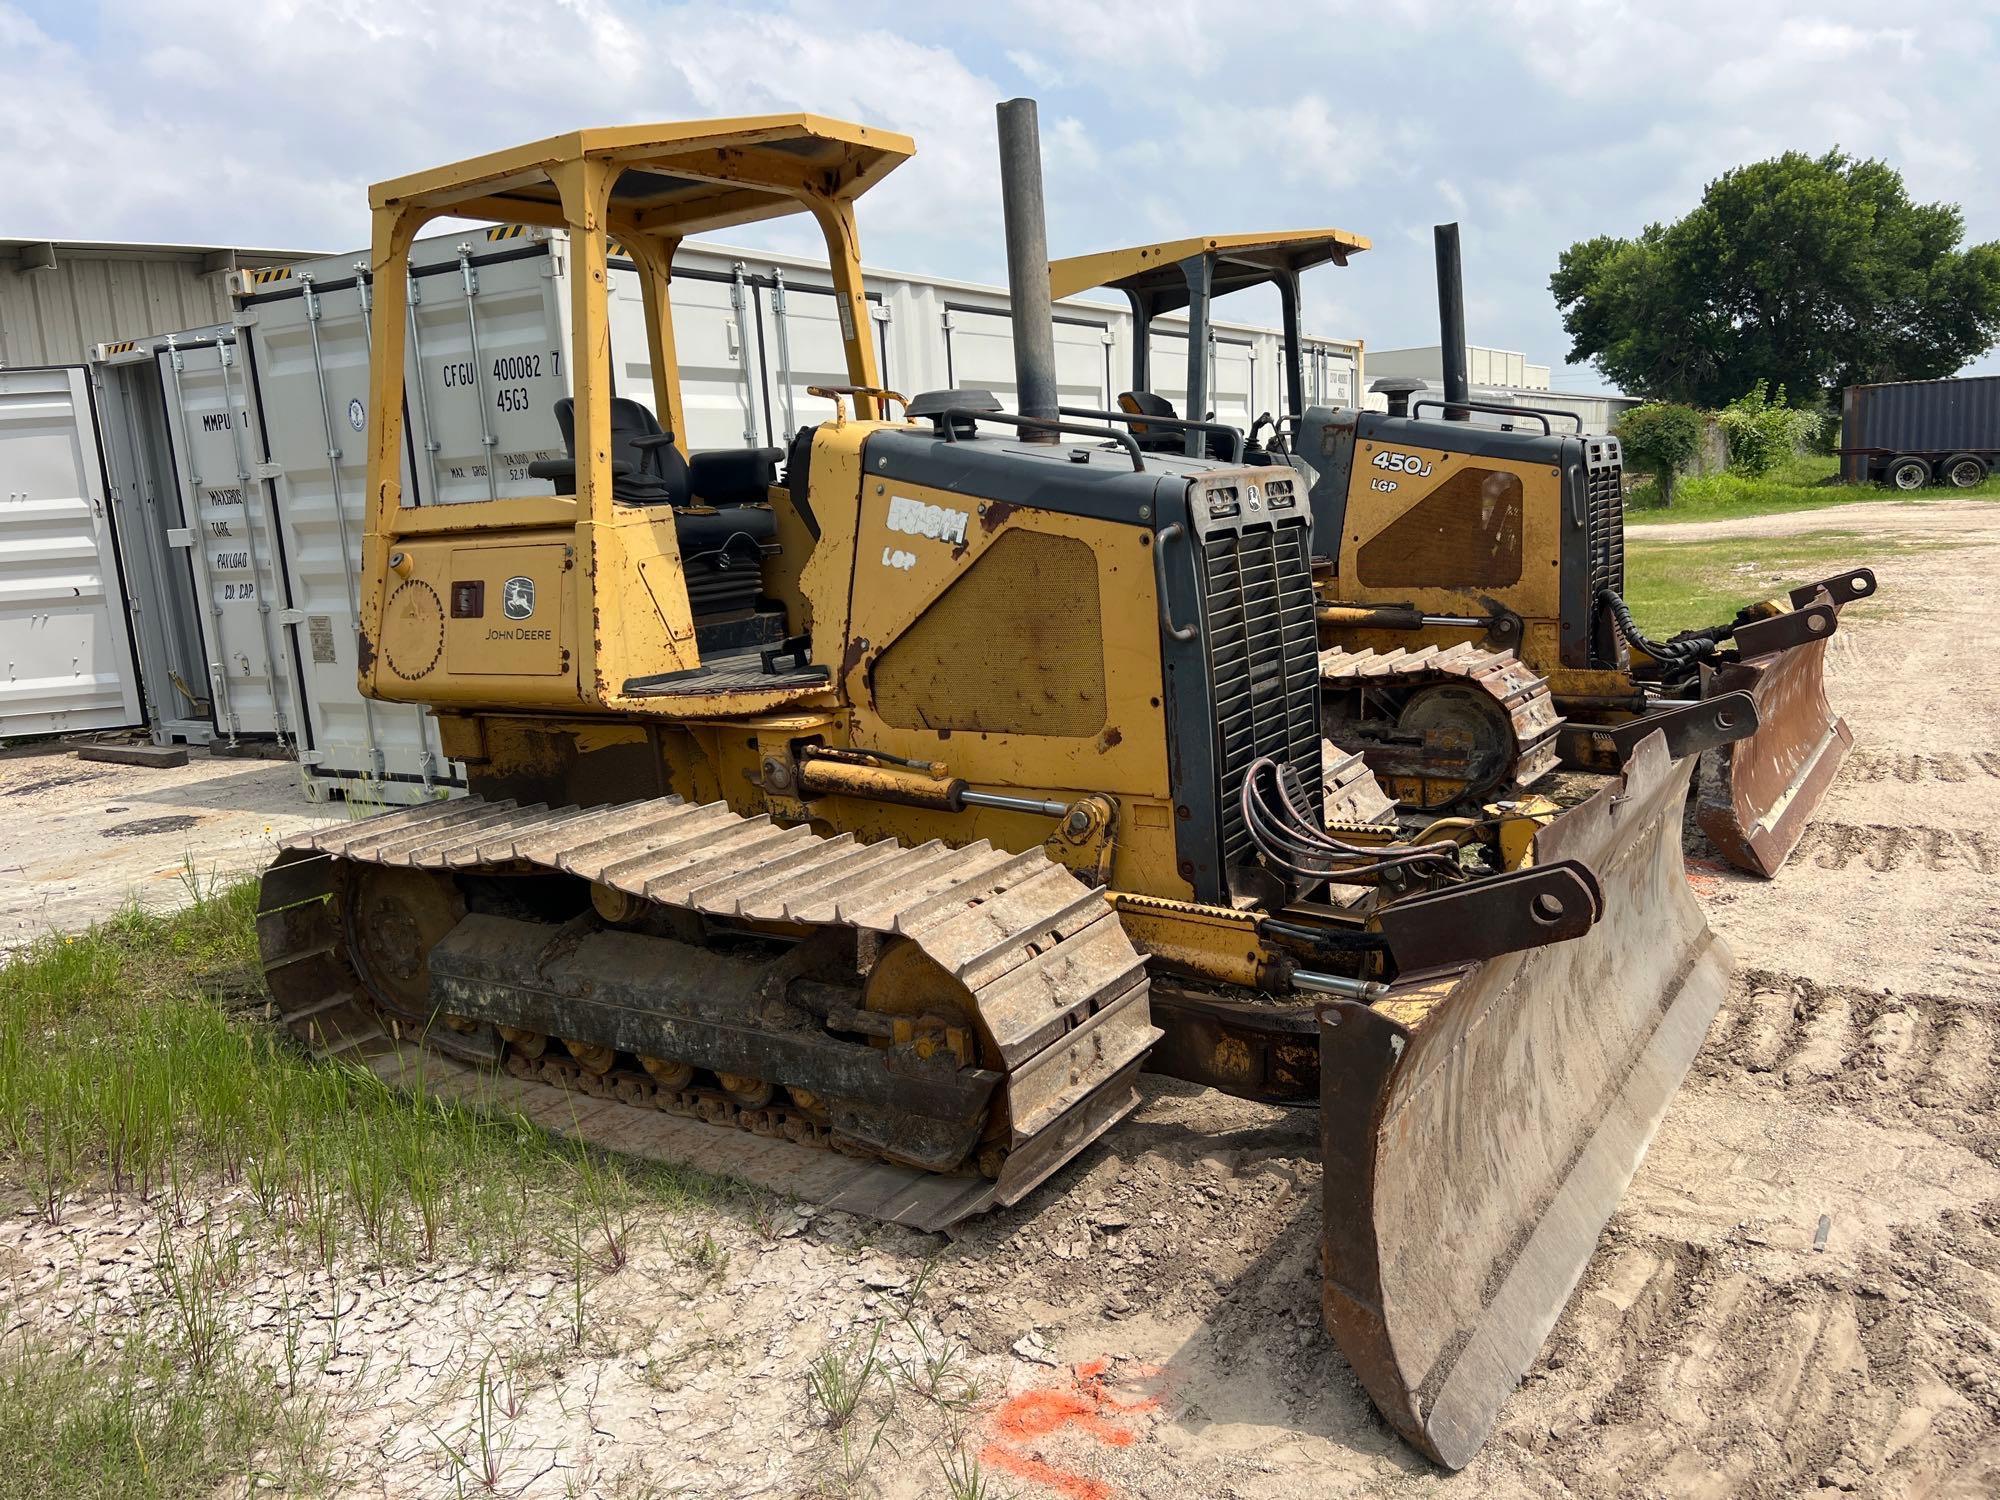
(1757, 795)
(1478, 1132)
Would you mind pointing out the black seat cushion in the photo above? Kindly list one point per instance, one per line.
(733, 476)
(735, 531)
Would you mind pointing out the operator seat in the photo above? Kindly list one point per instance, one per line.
(722, 516)
(1148, 404)
(1165, 439)
(646, 467)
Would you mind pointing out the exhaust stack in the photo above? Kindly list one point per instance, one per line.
(1028, 264)
(1451, 322)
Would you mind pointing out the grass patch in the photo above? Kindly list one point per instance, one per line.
(134, 1059)
(140, 1421)
(1804, 482)
(1684, 585)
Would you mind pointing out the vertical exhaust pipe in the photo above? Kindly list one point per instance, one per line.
(1451, 322)
(1028, 263)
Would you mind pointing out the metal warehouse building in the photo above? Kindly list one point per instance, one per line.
(60, 298)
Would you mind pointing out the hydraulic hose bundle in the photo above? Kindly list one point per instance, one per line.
(1693, 646)
(1296, 843)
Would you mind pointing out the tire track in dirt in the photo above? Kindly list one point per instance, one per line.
(1892, 1058)
(1689, 1371)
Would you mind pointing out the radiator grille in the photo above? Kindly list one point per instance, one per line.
(1605, 533)
(1263, 662)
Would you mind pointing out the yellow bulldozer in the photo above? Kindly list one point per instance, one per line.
(891, 813)
(1470, 568)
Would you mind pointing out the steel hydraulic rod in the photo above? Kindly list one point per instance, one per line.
(1336, 984)
(1013, 804)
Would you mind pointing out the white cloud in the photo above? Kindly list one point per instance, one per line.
(1535, 123)
(1037, 70)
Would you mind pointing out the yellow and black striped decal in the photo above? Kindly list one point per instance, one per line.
(265, 275)
(507, 231)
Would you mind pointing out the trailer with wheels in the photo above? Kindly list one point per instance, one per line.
(1913, 434)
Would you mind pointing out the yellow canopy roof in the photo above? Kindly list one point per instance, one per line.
(678, 178)
(1153, 272)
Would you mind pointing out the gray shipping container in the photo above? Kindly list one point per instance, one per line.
(1929, 419)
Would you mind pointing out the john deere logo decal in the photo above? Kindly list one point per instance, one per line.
(517, 598)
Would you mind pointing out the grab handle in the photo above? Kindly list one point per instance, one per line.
(1167, 533)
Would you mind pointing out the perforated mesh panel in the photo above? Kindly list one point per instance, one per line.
(1014, 647)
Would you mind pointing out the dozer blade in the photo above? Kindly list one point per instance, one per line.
(1758, 794)
(1479, 1129)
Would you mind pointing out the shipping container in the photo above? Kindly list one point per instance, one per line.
(1918, 432)
(64, 639)
(240, 451)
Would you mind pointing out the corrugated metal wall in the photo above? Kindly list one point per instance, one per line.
(53, 317)
(1933, 417)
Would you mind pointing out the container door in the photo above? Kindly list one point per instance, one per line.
(1329, 376)
(979, 354)
(63, 636)
(487, 367)
(313, 397)
(722, 397)
(225, 532)
(799, 329)
(1232, 376)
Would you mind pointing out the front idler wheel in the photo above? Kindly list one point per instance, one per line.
(394, 918)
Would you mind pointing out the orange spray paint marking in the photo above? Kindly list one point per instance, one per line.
(1085, 1408)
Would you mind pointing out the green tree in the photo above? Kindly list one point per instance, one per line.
(1662, 439)
(1810, 273)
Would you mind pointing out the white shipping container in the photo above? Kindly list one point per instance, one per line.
(248, 444)
(64, 641)
(485, 356)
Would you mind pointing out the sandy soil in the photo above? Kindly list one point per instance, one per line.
(1875, 518)
(1800, 1291)
(78, 839)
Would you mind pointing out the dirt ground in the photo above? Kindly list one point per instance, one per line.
(78, 839)
(1146, 1324)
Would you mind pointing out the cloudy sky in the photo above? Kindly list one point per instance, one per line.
(1535, 123)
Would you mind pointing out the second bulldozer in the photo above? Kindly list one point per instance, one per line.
(1470, 569)
(890, 814)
